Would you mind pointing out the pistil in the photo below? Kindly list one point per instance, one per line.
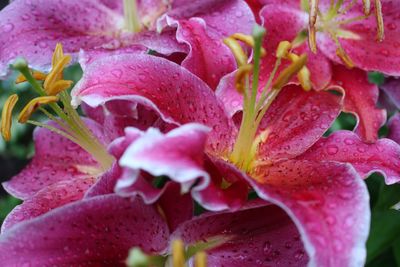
(132, 21)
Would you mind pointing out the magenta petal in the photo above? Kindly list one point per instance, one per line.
(328, 202)
(394, 128)
(150, 81)
(31, 29)
(296, 120)
(257, 235)
(345, 146)
(56, 159)
(360, 99)
(178, 154)
(208, 58)
(93, 232)
(48, 198)
(176, 207)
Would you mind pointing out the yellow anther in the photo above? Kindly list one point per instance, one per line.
(304, 78)
(240, 77)
(33, 105)
(247, 39)
(379, 20)
(6, 117)
(312, 41)
(40, 76)
(237, 50)
(311, 29)
(56, 71)
(58, 87)
(344, 57)
(57, 54)
(287, 74)
(200, 259)
(283, 49)
(366, 6)
(178, 253)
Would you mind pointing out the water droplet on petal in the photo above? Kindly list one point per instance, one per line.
(384, 52)
(116, 73)
(7, 27)
(348, 141)
(332, 149)
(267, 247)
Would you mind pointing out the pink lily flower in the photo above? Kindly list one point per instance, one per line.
(285, 171)
(31, 29)
(101, 230)
(356, 38)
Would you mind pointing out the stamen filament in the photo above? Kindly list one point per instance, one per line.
(379, 20)
(54, 129)
(237, 50)
(132, 21)
(367, 6)
(6, 117)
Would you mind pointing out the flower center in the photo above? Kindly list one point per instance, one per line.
(131, 15)
(51, 93)
(330, 24)
(256, 105)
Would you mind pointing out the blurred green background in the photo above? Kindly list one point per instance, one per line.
(383, 246)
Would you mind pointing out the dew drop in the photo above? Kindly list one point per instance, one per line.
(267, 247)
(348, 141)
(391, 26)
(299, 255)
(116, 73)
(332, 149)
(384, 52)
(43, 44)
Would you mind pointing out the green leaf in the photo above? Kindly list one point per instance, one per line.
(6, 205)
(376, 78)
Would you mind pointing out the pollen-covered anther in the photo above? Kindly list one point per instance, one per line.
(379, 21)
(311, 28)
(33, 105)
(366, 6)
(304, 75)
(38, 75)
(344, 57)
(178, 253)
(6, 117)
(283, 49)
(286, 75)
(237, 51)
(55, 73)
(240, 77)
(247, 39)
(200, 259)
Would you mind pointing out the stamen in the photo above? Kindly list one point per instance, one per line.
(6, 117)
(344, 57)
(132, 22)
(366, 6)
(33, 105)
(283, 49)
(200, 259)
(247, 39)
(287, 74)
(379, 21)
(58, 86)
(36, 74)
(55, 73)
(312, 20)
(303, 75)
(237, 50)
(178, 253)
(240, 76)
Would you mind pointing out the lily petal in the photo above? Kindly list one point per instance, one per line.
(296, 120)
(394, 128)
(345, 146)
(259, 234)
(360, 99)
(328, 202)
(48, 198)
(149, 80)
(56, 159)
(92, 232)
(392, 88)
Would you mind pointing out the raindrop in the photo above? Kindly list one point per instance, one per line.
(384, 52)
(391, 26)
(7, 27)
(348, 141)
(43, 44)
(299, 255)
(267, 247)
(332, 149)
(116, 73)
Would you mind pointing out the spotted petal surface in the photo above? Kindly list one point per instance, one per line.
(93, 232)
(328, 202)
(56, 159)
(345, 146)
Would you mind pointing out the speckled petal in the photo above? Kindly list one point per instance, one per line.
(259, 234)
(56, 159)
(94, 232)
(169, 89)
(329, 203)
(345, 146)
(296, 120)
(32, 29)
(360, 99)
(50, 197)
